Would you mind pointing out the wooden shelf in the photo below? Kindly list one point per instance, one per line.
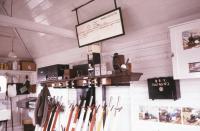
(53, 81)
(17, 59)
(134, 76)
(121, 79)
(15, 72)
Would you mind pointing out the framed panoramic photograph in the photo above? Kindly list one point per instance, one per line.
(185, 46)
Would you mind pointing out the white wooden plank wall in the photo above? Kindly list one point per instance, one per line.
(65, 57)
(124, 96)
(139, 97)
(150, 53)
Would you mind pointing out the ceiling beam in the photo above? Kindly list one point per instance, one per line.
(32, 26)
(3, 34)
(6, 36)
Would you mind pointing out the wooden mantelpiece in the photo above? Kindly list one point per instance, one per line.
(118, 79)
(124, 78)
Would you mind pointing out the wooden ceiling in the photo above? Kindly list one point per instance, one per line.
(137, 14)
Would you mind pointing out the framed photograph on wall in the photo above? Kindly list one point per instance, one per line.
(185, 45)
(191, 116)
(148, 113)
(170, 115)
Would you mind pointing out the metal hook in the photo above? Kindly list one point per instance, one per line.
(79, 103)
(61, 97)
(57, 97)
(118, 108)
(97, 107)
(110, 101)
(70, 105)
(118, 99)
(103, 104)
(111, 108)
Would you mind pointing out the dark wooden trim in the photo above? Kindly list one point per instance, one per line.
(119, 79)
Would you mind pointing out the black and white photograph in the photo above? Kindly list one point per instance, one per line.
(191, 39)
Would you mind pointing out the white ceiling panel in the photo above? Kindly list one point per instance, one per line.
(41, 44)
(6, 31)
(144, 13)
(137, 14)
(6, 45)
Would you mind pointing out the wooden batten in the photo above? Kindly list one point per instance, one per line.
(32, 26)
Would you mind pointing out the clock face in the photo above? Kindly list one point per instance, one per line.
(3, 84)
(161, 89)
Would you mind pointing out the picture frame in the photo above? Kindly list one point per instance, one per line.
(170, 115)
(185, 46)
(103, 27)
(148, 113)
(191, 116)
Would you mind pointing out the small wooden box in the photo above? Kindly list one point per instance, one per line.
(32, 88)
(27, 121)
(28, 125)
(27, 66)
(68, 73)
(163, 88)
(106, 81)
